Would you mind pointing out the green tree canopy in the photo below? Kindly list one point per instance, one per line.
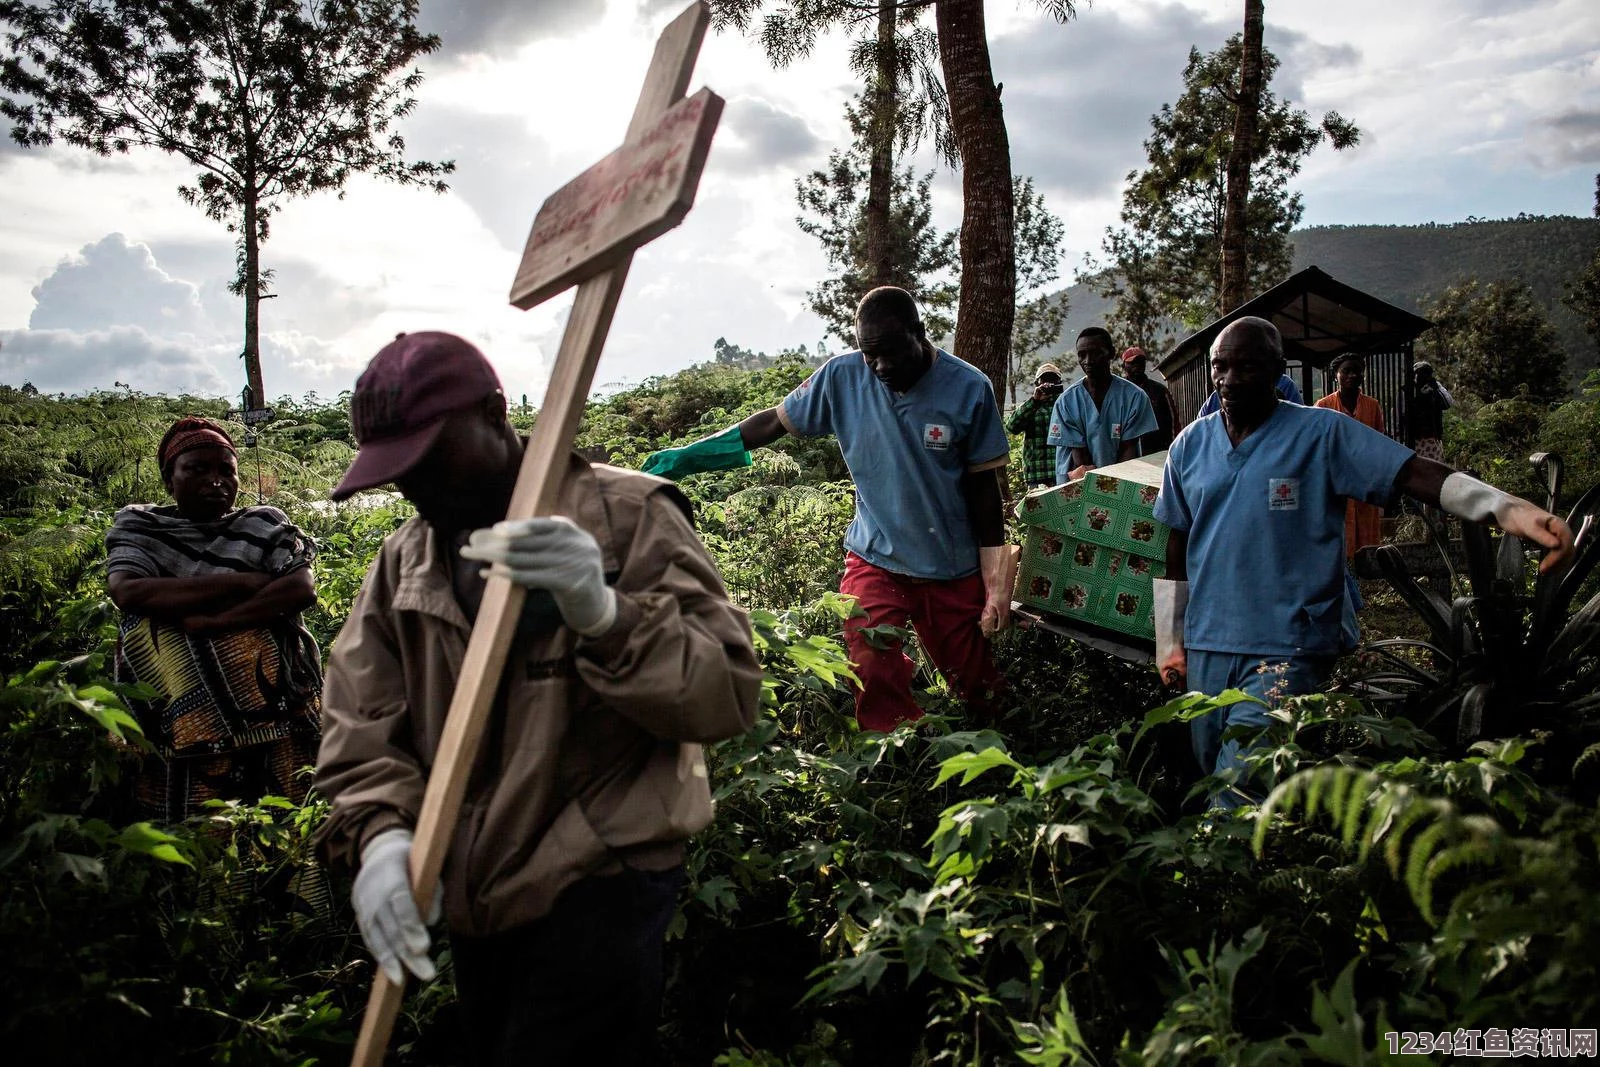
(1040, 315)
(1496, 342)
(268, 99)
(833, 203)
(1172, 211)
(834, 210)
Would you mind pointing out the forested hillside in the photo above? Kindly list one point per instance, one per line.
(1409, 265)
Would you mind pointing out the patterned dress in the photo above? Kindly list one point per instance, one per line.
(236, 715)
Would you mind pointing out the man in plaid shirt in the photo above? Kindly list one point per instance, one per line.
(1031, 419)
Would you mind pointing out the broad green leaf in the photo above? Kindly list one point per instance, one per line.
(146, 840)
(971, 764)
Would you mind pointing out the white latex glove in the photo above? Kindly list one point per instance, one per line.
(1466, 497)
(1171, 602)
(995, 562)
(387, 912)
(555, 554)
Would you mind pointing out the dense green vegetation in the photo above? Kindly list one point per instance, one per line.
(1045, 892)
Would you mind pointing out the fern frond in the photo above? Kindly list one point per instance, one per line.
(1429, 841)
(48, 550)
(1427, 837)
(1587, 756)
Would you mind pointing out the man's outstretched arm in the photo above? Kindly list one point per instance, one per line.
(762, 428)
(724, 450)
(1437, 485)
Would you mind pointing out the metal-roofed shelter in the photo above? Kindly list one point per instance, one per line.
(1321, 318)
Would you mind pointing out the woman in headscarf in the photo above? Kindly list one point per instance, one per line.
(211, 600)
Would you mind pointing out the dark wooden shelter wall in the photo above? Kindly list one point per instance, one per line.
(1388, 380)
(1190, 387)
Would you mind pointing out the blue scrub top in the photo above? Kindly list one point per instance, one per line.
(1285, 387)
(1075, 422)
(907, 453)
(1265, 521)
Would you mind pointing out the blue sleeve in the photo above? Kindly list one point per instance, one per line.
(1065, 430)
(986, 437)
(1364, 463)
(1210, 406)
(1288, 390)
(1140, 417)
(808, 409)
(1171, 507)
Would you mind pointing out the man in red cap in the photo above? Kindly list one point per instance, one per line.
(564, 869)
(1135, 363)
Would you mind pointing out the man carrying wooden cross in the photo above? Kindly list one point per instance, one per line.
(922, 437)
(565, 863)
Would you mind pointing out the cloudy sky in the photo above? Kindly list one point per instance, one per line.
(1467, 108)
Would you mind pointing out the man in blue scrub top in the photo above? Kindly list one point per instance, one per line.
(1099, 420)
(1258, 490)
(922, 436)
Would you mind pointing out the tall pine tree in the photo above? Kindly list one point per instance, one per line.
(267, 99)
(1173, 210)
(916, 255)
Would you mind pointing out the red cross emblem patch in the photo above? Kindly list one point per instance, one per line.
(935, 436)
(1283, 494)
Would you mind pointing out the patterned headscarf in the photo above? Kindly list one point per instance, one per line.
(191, 432)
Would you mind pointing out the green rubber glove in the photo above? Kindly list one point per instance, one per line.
(719, 452)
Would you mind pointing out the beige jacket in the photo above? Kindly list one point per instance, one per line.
(592, 756)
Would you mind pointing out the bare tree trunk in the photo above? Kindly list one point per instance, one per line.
(880, 175)
(988, 263)
(251, 278)
(1235, 288)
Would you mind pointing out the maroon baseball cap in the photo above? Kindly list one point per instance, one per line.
(401, 401)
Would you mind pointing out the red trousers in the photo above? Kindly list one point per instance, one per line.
(944, 615)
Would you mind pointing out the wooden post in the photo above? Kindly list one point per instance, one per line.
(585, 233)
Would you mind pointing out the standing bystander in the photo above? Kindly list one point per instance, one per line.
(1031, 419)
(1425, 417)
(1135, 367)
(1363, 523)
(210, 598)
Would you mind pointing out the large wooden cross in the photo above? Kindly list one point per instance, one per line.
(584, 234)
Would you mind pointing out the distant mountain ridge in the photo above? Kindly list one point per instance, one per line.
(1409, 265)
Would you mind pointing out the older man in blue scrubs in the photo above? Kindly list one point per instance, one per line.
(1260, 489)
(1099, 420)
